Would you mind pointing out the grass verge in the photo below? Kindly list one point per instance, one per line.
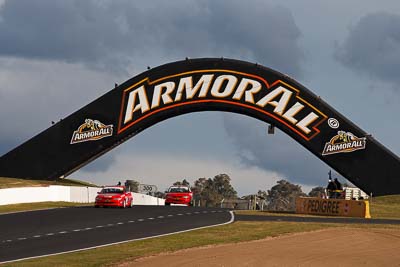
(385, 207)
(38, 206)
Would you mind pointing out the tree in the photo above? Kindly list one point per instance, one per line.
(198, 188)
(159, 194)
(184, 183)
(318, 191)
(212, 191)
(222, 184)
(209, 194)
(132, 185)
(262, 194)
(282, 197)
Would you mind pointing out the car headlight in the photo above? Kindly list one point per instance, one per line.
(185, 196)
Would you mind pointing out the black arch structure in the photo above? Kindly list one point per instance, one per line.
(207, 85)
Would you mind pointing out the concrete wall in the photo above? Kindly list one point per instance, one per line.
(33, 194)
(140, 199)
(63, 193)
(83, 194)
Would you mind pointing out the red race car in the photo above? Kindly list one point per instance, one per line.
(179, 195)
(114, 196)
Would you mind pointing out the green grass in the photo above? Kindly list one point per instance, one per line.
(385, 207)
(6, 182)
(38, 206)
(232, 233)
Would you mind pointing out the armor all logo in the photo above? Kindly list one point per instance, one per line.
(344, 142)
(91, 130)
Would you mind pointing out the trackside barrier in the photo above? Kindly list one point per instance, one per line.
(63, 193)
(40, 194)
(333, 207)
(140, 199)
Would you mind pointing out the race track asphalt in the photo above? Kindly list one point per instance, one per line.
(44, 232)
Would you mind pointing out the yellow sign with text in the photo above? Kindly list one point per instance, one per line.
(332, 207)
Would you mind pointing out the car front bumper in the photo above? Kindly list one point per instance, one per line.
(185, 201)
(109, 203)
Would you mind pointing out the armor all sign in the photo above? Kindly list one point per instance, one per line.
(208, 84)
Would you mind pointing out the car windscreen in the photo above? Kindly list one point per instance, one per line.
(178, 190)
(112, 191)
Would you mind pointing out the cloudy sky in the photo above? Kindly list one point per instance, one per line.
(56, 56)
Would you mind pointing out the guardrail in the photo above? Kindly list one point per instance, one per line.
(63, 193)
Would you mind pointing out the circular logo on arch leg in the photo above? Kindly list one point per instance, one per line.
(333, 123)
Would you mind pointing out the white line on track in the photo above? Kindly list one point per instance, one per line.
(121, 242)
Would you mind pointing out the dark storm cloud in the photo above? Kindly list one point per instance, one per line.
(373, 47)
(101, 33)
(278, 152)
(115, 35)
(71, 31)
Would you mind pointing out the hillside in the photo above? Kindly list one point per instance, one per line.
(6, 182)
(385, 207)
